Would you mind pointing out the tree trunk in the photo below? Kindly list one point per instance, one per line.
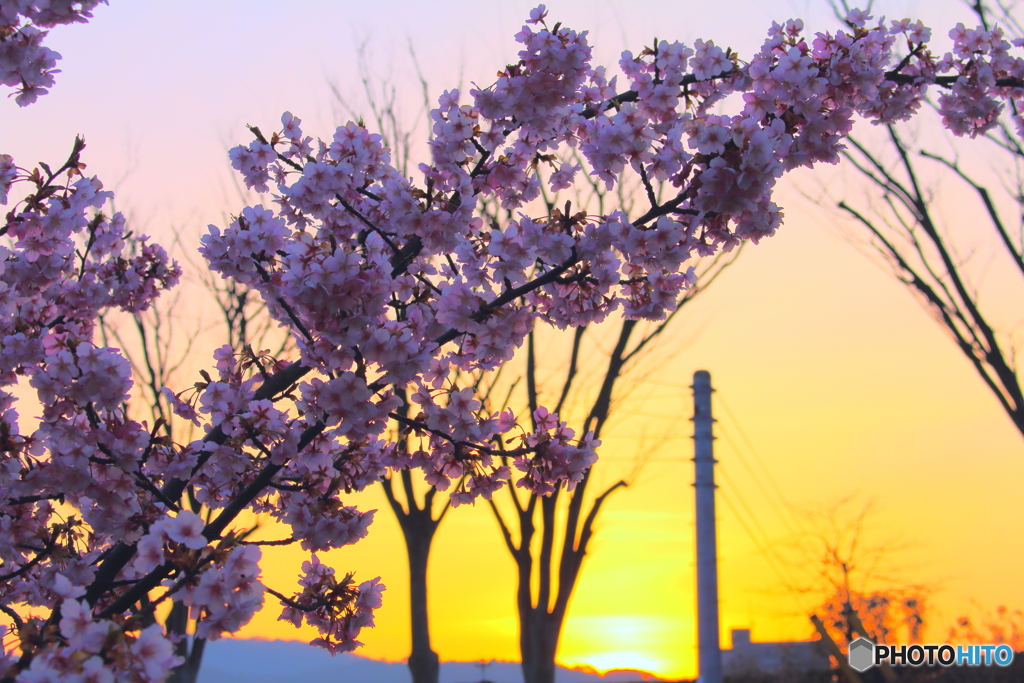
(177, 624)
(423, 662)
(538, 643)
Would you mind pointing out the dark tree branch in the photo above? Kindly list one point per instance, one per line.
(1012, 249)
(570, 375)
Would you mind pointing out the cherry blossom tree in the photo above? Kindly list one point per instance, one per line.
(387, 286)
(147, 340)
(25, 64)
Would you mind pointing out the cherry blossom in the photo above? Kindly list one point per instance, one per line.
(394, 289)
(24, 63)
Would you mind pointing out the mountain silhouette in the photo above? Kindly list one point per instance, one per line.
(282, 661)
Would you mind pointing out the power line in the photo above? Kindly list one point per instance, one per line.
(757, 455)
(768, 547)
(782, 575)
(784, 518)
(746, 506)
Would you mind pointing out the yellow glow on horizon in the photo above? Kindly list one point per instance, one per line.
(619, 642)
(623, 659)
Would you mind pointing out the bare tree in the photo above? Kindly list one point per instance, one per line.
(1000, 626)
(906, 229)
(854, 576)
(419, 522)
(546, 577)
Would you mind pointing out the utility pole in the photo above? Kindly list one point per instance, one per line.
(709, 656)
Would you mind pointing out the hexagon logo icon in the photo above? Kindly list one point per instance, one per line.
(862, 655)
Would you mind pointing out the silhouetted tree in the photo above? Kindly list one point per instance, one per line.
(908, 232)
(546, 576)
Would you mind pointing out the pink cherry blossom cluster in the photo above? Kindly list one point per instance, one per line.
(559, 458)
(24, 63)
(97, 652)
(338, 609)
(185, 529)
(226, 596)
(65, 262)
(395, 291)
(984, 68)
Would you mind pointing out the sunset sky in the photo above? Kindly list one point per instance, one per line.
(832, 383)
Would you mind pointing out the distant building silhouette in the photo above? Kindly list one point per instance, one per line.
(790, 657)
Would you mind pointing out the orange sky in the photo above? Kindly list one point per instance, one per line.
(842, 384)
